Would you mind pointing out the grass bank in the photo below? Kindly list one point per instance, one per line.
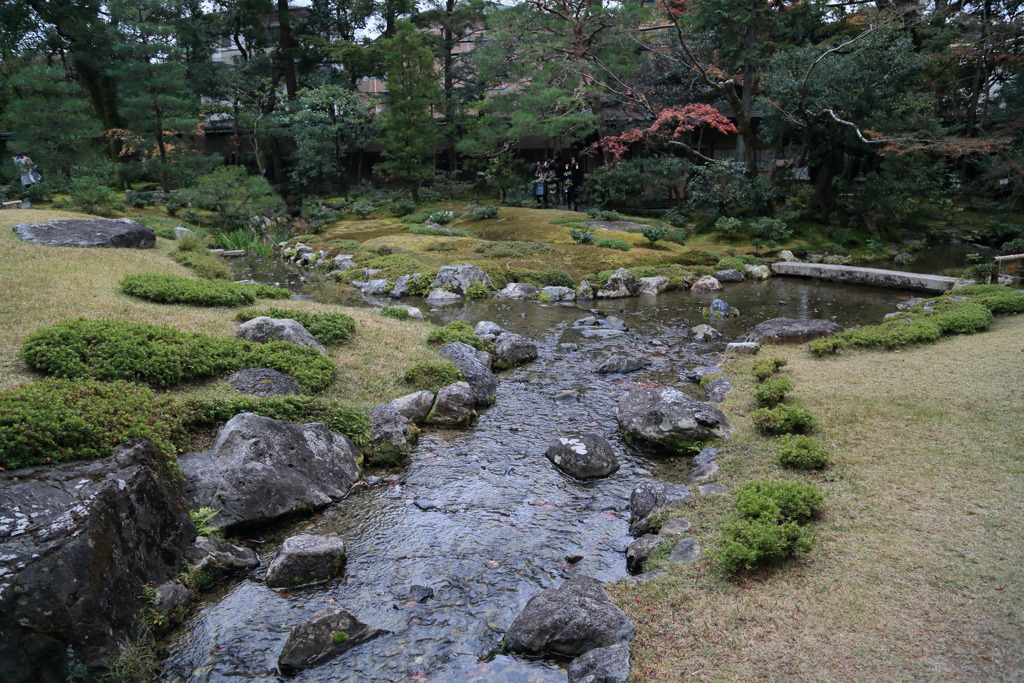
(42, 285)
(916, 574)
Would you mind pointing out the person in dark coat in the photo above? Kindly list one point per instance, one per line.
(572, 180)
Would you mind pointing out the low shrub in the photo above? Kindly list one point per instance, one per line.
(996, 298)
(202, 263)
(396, 312)
(800, 452)
(139, 200)
(783, 419)
(676, 236)
(728, 226)
(964, 318)
(826, 345)
(363, 207)
(174, 289)
(432, 375)
(483, 212)
(604, 215)
(730, 263)
(211, 413)
(612, 243)
(420, 216)
(772, 391)
(441, 217)
(509, 250)
(402, 207)
(477, 290)
(91, 195)
(894, 334)
(677, 218)
(59, 420)
(437, 232)
(441, 246)
(748, 543)
(162, 356)
(328, 328)
(584, 235)
(784, 501)
(653, 233)
(458, 331)
(979, 272)
(700, 257)
(763, 368)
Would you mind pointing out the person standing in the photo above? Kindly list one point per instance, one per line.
(556, 167)
(572, 180)
(542, 184)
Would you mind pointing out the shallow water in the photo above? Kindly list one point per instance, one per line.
(481, 516)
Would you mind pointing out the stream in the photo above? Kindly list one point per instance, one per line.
(480, 516)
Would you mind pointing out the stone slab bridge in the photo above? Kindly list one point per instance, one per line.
(866, 276)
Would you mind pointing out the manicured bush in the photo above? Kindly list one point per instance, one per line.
(676, 236)
(772, 391)
(783, 419)
(396, 312)
(458, 331)
(438, 232)
(58, 420)
(996, 298)
(90, 195)
(420, 216)
(508, 250)
(677, 218)
(826, 345)
(700, 257)
(894, 334)
(162, 356)
(542, 278)
(800, 452)
(730, 262)
(584, 235)
(653, 233)
(328, 328)
(203, 264)
(207, 413)
(402, 207)
(174, 289)
(748, 543)
(477, 290)
(612, 243)
(483, 212)
(763, 368)
(441, 217)
(363, 207)
(784, 501)
(432, 375)
(964, 318)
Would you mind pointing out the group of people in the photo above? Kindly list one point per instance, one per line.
(562, 181)
(26, 169)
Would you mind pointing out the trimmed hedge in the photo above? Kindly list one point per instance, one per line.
(212, 413)
(786, 501)
(800, 452)
(458, 331)
(783, 419)
(175, 289)
(58, 420)
(772, 391)
(163, 356)
(328, 328)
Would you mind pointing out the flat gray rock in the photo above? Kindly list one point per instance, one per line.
(89, 232)
(701, 473)
(792, 331)
(621, 364)
(320, 639)
(306, 558)
(264, 382)
(601, 665)
(686, 551)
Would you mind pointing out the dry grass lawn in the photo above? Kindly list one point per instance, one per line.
(40, 285)
(917, 574)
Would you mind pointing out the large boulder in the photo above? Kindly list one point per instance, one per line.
(703, 333)
(757, 272)
(601, 665)
(587, 456)
(263, 329)
(401, 287)
(518, 291)
(729, 275)
(260, 470)
(621, 283)
(459, 278)
(792, 331)
(706, 284)
(320, 639)
(486, 328)
(514, 349)
(560, 293)
(306, 558)
(477, 373)
(220, 558)
(378, 287)
(442, 296)
(453, 406)
(650, 496)
(415, 406)
(264, 382)
(653, 285)
(621, 364)
(89, 232)
(569, 620)
(390, 434)
(77, 543)
(669, 420)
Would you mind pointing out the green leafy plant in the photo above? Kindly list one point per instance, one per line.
(174, 289)
(328, 328)
(91, 195)
(583, 235)
(826, 345)
(653, 233)
(748, 543)
(763, 368)
(783, 419)
(363, 207)
(612, 243)
(442, 217)
(677, 217)
(477, 290)
(162, 356)
(730, 263)
(785, 501)
(458, 331)
(402, 207)
(728, 226)
(800, 452)
(772, 391)
(483, 212)
(201, 518)
(396, 312)
(432, 375)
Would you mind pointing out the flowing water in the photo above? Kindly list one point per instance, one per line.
(480, 516)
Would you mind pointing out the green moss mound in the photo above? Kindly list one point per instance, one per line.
(800, 452)
(163, 356)
(458, 331)
(59, 420)
(432, 375)
(212, 413)
(748, 543)
(783, 419)
(174, 289)
(328, 328)
(787, 501)
(612, 243)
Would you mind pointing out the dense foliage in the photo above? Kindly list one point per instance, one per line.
(328, 328)
(174, 289)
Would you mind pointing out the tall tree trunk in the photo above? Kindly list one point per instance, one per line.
(824, 199)
(284, 19)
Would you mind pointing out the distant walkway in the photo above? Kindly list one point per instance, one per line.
(866, 276)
